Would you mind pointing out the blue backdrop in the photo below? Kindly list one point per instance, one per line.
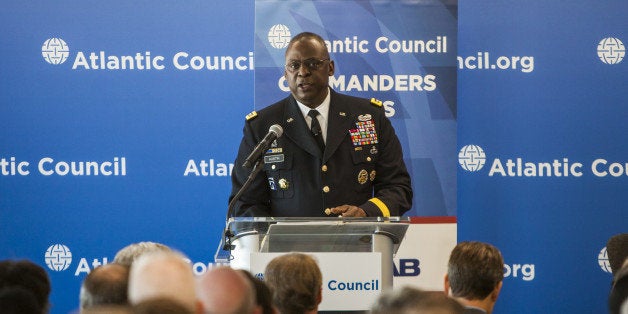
(568, 106)
(539, 84)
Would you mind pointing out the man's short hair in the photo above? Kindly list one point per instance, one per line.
(28, 275)
(131, 252)
(618, 296)
(305, 36)
(296, 281)
(263, 295)
(617, 250)
(409, 300)
(161, 305)
(105, 285)
(474, 270)
(18, 300)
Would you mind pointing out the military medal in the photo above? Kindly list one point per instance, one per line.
(362, 176)
(364, 133)
(283, 184)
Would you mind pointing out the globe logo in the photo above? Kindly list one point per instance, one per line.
(611, 50)
(602, 259)
(471, 158)
(279, 36)
(58, 257)
(55, 51)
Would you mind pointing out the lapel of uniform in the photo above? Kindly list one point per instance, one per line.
(296, 129)
(340, 119)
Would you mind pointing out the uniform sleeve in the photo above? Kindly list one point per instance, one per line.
(255, 200)
(392, 186)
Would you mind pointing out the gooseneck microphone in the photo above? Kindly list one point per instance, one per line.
(274, 132)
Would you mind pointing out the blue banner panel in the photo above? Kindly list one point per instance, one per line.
(400, 52)
(542, 162)
(117, 126)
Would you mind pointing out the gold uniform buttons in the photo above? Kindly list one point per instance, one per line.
(326, 189)
(368, 159)
(324, 168)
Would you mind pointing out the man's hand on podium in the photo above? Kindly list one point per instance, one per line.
(346, 211)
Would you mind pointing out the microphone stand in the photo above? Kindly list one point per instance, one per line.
(227, 246)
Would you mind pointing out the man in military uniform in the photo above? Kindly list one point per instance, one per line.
(342, 160)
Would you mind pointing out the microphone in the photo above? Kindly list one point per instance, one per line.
(274, 132)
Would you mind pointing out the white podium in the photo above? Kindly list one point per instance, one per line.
(352, 252)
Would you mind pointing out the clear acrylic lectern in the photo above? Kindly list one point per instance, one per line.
(287, 234)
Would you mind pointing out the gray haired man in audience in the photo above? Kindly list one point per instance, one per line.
(131, 252)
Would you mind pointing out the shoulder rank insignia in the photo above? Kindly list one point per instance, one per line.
(376, 102)
(251, 115)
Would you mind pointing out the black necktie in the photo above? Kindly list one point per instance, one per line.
(316, 129)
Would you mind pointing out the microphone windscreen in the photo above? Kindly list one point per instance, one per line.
(277, 129)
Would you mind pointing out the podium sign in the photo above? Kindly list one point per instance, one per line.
(351, 282)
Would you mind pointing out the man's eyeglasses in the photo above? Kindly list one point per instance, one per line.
(311, 64)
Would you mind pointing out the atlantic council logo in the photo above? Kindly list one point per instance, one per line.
(55, 51)
(602, 259)
(58, 257)
(471, 158)
(279, 36)
(611, 50)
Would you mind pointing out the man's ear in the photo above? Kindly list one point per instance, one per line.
(332, 68)
(495, 292)
(446, 285)
(320, 295)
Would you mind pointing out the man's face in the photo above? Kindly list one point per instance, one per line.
(307, 83)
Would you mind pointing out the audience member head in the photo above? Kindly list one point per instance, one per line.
(474, 274)
(223, 290)
(161, 306)
(618, 297)
(105, 285)
(163, 275)
(18, 300)
(109, 309)
(263, 296)
(408, 300)
(617, 250)
(131, 252)
(296, 282)
(29, 276)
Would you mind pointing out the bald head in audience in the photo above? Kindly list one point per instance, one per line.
(105, 285)
(163, 275)
(223, 290)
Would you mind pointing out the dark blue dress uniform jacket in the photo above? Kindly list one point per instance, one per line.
(298, 180)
